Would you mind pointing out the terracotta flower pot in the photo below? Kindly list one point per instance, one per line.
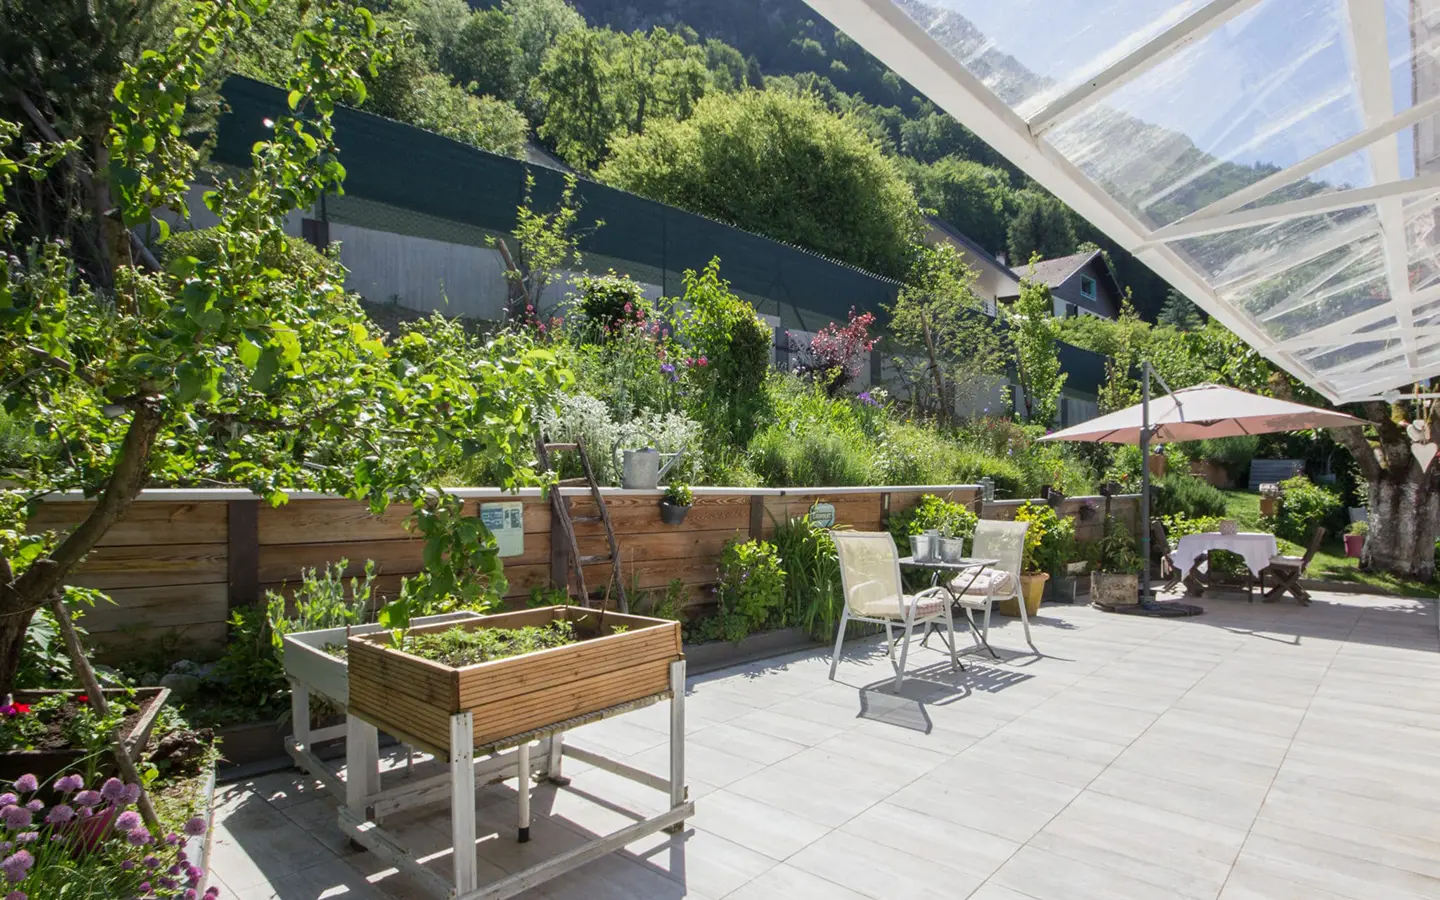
(1354, 545)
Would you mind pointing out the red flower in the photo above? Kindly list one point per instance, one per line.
(83, 698)
(21, 708)
(704, 361)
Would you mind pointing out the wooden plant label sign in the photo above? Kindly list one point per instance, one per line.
(822, 515)
(507, 522)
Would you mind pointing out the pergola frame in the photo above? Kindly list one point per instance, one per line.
(885, 30)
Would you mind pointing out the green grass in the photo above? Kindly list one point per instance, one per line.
(1330, 562)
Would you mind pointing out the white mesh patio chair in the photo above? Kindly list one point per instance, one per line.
(1004, 541)
(870, 577)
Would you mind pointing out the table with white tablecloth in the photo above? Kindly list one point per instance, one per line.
(1255, 547)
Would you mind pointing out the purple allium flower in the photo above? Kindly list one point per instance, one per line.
(127, 864)
(16, 816)
(172, 838)
(195, 827)
(8, 799)
(87, 798)
(169, 883)
(175, 869)
(194, 873)
(138, 837)
(17, 895)
(189, 894)
(27, 837)
(152, 861)
(67, 783)
(132, 793)
(212, 891)
(113, 789)
(35, 806)
(143, 887)
(86, 812)
(17, 866)
(128, 820)
(26, 784)
(60, 814)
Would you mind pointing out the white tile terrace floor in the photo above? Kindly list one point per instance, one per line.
(1258, 751)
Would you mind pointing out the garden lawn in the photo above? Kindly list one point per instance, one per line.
(1330, 562)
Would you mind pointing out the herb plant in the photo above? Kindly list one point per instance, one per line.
(679, 495)
(752, 584)
(91, 846)
(813, 594)
(464, 647)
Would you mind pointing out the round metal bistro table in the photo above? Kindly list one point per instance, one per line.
(952, 569)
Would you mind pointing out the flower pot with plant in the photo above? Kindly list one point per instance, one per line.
(1355, 538)
(1049, 544)
(675, 503)
(1115, 579)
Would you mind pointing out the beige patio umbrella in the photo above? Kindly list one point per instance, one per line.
(1192, 414)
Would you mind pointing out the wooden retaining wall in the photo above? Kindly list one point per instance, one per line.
(180, 560)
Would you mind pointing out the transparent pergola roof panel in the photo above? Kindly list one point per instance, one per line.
(1277, 160)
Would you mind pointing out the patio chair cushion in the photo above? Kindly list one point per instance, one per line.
(889, 609)
(990, 583)
(1293, 562)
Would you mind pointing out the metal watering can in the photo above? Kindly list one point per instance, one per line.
(642, 470)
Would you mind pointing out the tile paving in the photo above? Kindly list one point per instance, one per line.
(1258, 751)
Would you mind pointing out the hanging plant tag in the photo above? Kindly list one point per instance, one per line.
(822, 515)
(507, 522)
(1424, 453)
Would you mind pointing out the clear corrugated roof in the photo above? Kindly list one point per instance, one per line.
(1277, 160)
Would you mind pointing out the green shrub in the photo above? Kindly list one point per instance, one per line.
(813, 595)
(732, 352)
(1049, 541)
(810, 456)
(295, 257)
(1181, 494)
(752, 584)
(1303, 506)
(606, 303)
(951, 519)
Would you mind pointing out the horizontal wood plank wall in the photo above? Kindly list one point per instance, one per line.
(166, 563)
(165, 566)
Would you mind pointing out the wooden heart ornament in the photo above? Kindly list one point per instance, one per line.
(1424, 453)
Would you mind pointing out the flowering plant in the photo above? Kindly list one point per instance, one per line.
(90, 846)
(837, 353)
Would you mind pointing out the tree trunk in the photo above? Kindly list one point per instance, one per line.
(1401, 538)
(12, 638)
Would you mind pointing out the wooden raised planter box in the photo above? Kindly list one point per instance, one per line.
(414, 698)
(45, 764)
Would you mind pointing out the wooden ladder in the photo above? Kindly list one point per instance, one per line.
(565, 533)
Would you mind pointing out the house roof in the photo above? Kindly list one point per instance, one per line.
(1055, 272)
(955, 234)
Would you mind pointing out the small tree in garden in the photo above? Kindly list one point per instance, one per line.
(1037, 358)
(224, 370)
(952, 350)
(732, 350)
(548, 242)
(836, 353)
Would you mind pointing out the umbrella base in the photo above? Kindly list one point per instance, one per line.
(1155, 609)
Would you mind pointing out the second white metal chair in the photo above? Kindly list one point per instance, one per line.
(870, 577)
(1003, 541)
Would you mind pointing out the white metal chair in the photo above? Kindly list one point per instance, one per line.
(870, 577)
(1004, 541)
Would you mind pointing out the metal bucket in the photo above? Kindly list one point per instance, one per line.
(951, 549)
(922, 547)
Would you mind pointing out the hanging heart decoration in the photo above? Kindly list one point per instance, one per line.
(1424, 453)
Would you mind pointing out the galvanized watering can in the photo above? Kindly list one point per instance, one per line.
(642, 470)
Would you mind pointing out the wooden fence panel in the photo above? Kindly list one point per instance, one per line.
(170, 570)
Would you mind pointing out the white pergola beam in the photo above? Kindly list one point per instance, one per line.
(1301, 296)
(1347, 327)
(1371, 53)
(1379, 334)
(1318, 161)
(1334, 239)
(1154, 51)
(888, 33)
(1295, 209)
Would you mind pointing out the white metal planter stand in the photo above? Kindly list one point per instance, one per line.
(521, 756)
(313, 672)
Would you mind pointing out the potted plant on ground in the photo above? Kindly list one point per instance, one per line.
(1049, 542)
(675, 503)
(1355, 538)
(1115, 576)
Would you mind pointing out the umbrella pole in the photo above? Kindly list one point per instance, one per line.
(1145, 482)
